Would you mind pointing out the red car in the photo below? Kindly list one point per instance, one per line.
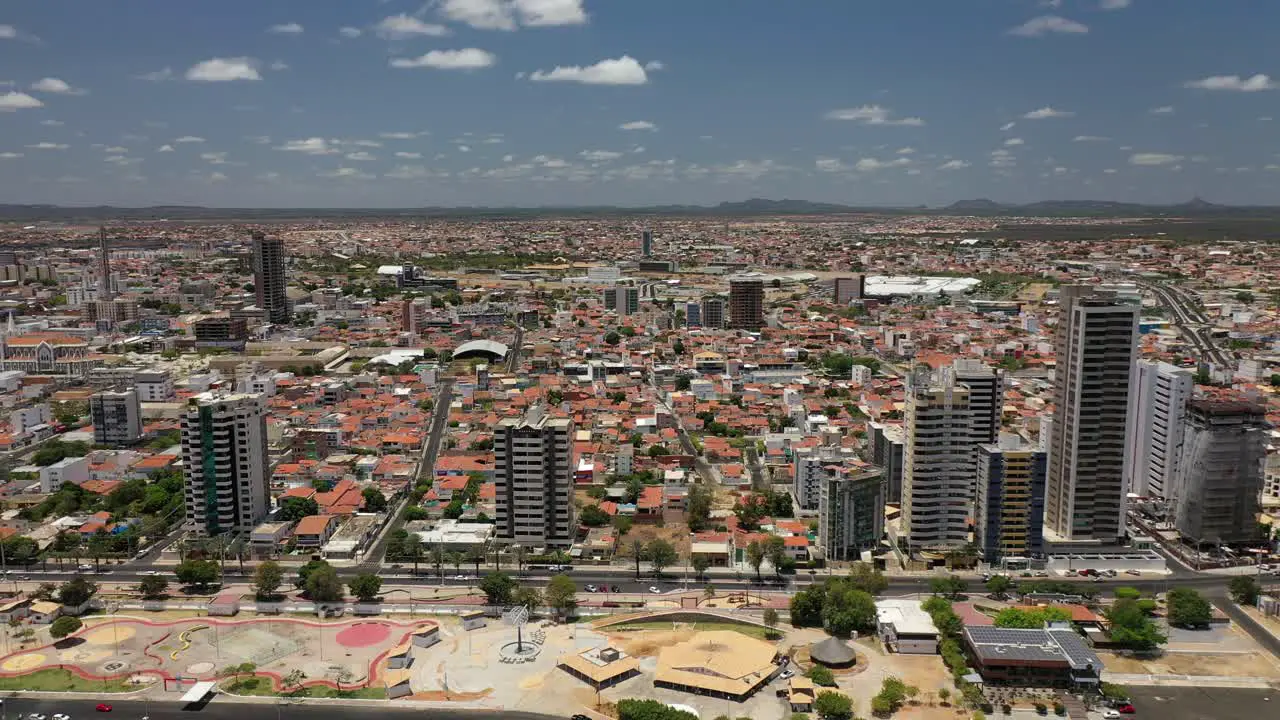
(1126, 709)
(103, 707)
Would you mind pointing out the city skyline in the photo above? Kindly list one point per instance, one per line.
(575, 102)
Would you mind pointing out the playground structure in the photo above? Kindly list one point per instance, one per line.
(350, 654)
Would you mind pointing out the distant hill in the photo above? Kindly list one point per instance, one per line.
(1195, 208)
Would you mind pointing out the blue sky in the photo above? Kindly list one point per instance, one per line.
(368, 103)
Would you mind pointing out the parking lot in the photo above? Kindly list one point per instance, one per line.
(1201, 703)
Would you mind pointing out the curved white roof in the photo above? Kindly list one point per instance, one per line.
(486, 346)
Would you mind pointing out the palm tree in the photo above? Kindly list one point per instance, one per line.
(411, 549)
(476, 556)
(439, 557)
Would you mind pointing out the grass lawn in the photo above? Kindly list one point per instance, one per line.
(262, 687)
(758, 633)
(56, 679)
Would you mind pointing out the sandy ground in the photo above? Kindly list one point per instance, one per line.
(1217, 652)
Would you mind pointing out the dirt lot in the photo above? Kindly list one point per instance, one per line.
(1236, 664)
(675, 533)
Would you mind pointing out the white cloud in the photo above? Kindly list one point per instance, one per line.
(116, 149)
(464, 59)
(346, 172)
(397, 135)
(1013, 142)
(906, 151)
(279, 65)
(10, 155)
(189, 139)
(599, 155)
(1235, 83)
(654, 65)
(625, 70)
(158, 75)
(508, 158)
(292, 28)
(55, 86)
(1045, 113)
(59, 123)
(350, 32)
(360, 156)
(1007, 126)
(1047, 24)
(953, 165)
(8, 32)
(11, 101)
(1110, 171)
(409, 172)
(310, 146)
(224, 70)
(546, 13)
(1162, 110)
(1002, 159)
(1153, 159)
(403, 26)
(480, 14)
(48, 146)
(873, 164)
(464, 148)
(1089, 138)
(409, 155)
(830, 164)
(1114, 4)
(215, 158)
(872, 115)
(509, 14)
(638, 125)
(165, 148)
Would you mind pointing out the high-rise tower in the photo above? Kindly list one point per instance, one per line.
(105, 291)
(268, 278)
(224, 458)
(1095, 346)
(746, 304)
(533, 479)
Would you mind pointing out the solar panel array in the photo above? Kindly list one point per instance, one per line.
(994, 644)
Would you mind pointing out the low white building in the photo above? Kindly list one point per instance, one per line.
(455, 535)
(905, 627)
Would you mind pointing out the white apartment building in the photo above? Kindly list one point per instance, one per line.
(937, 474)
(116, 416)
(153, 385)
(1154, 439)
(1096, 347)
(23, 419)
(224, 456)
(533, 477)
(810, 466)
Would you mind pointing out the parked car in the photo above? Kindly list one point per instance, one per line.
(654, 589)
(103, 707)
(1111, 714)
(786, 674)
(615, 588)
(590, 588)
(1041, 573)
(61, 716)
(1132, 572)
(1126, 709)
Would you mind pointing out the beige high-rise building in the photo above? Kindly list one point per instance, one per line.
(224, 458)
(937, 474)
(1095, 346)
(269, 282)
(533, 478)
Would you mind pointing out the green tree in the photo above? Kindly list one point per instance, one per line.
(755, 557)
(831, 705)
(698, 507)
(775, 549)
(611, 338)
(365, 587)
(950, 586)
(593, 516)
(198, 573)
(267, 579)
(847, 609)
(683, 383)
(374, 500)
(1244, 589)
(699, 563)
(292, 681)
(1030, 618)
(77, 591)
(998, 585)
(661, 555)
(497, 588)
(153, 586)
(296, 508)
(633, 709)
(561, 595)
(1127, 593)
(528, 596)
(1131, 628)
(867, 578)
(1188, 608)
(64, 626)
(821, 676)
(323, 585)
